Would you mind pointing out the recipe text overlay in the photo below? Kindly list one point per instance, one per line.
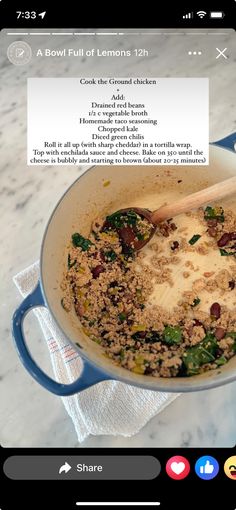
(118, 121)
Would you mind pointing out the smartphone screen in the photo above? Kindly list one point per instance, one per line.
(118, 222)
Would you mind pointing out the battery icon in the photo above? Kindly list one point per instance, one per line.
(216, 14)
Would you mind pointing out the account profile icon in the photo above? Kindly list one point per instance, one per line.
(19, 53)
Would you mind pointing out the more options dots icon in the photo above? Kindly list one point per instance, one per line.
(230, 467)
(207, 467)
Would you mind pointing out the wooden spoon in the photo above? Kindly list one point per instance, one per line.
(128, 234)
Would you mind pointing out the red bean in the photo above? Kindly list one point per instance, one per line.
(232, 236)
(225, 238)
(215, 310)
(231, 284)
(97, 270)
(219, 333)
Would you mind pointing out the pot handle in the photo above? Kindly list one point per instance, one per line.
(228, 142)
(89, 376)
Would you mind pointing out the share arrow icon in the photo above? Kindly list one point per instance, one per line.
(42, 14)
(65, 468)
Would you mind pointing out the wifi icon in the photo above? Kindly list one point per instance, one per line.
(201, 14)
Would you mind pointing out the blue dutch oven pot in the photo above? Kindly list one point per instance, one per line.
(82, 202)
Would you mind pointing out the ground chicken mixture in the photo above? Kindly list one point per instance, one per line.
(108, 284)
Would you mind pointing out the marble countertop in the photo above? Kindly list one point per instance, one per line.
(29, 415)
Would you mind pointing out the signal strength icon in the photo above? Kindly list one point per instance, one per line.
(201, 14)
(188, 15)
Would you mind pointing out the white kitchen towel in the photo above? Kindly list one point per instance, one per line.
(110, 407)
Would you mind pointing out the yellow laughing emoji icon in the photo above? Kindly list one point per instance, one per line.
(230, 467)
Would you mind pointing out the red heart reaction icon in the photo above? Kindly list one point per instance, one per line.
(177, 467)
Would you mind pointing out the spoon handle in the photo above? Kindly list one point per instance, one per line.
(195, 200)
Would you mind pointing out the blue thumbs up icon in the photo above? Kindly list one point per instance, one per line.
(207, 467)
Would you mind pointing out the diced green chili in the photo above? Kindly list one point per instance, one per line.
(69, 263)
(80, 242)
(194, 239)
(122, 316)
(172, 335)
(97, 340)
(196, 302)
(122, 354)
(225, 253)
(214, 213)
(140, 236)
(110, 255)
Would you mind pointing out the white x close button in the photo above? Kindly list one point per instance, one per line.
(221, 53)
